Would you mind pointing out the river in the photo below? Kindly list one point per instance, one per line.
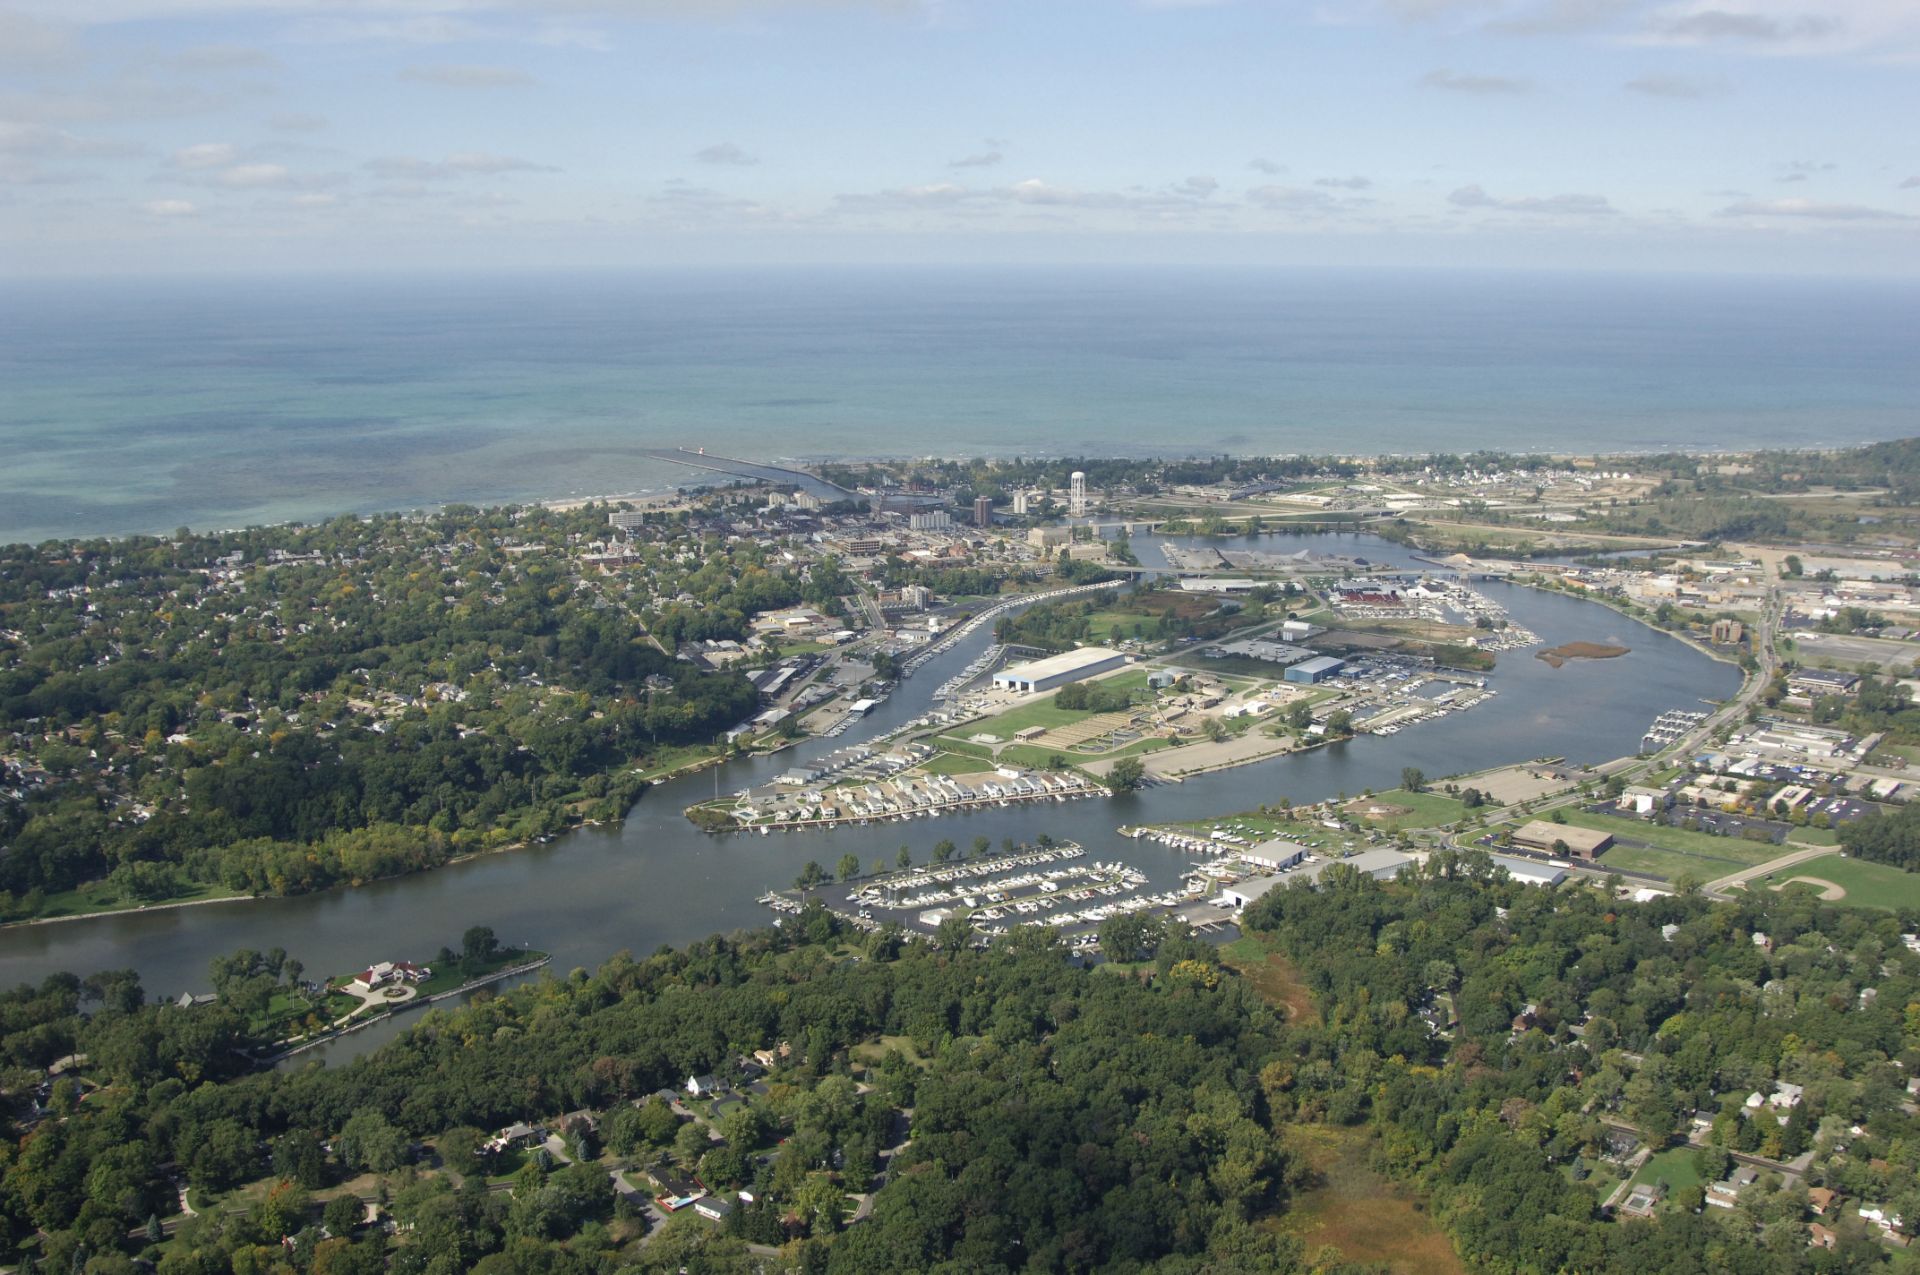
(656, 880)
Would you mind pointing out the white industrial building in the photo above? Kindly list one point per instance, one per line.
(1058, 670)
(1530, 871)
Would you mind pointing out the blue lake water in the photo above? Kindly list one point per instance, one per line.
(145, 406)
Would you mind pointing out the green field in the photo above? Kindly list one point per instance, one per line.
(1424, 810)
(1868, 885)
(954, 764)
(1671, 851)
(98, 896)
(1674, 1167)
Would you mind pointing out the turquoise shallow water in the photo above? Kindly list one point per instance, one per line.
(141, 407)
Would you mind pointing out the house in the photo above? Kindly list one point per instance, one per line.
(1644, 1199)
(1526, 1018)
(388, 974)
(1819, 1236)
(517, 1134)
(1726, 1193)
(676, 1192)
(705, 1086)
(714, 1208)
(189, 1000)
(1618, 1146)
(1822, 1200)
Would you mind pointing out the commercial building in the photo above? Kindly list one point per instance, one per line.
(1530, 871)
(1580, 843)
(930, 520)
(1381, 865)
(1058, 670)
(1049, 537)
(1314, 670)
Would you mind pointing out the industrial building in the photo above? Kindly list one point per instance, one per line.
(1381, 865)
(1530, 871)
(1058, 670)
(1580, 843)
(1314, 670)
(1048, 537)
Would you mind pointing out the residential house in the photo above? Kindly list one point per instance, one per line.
(705, 1086)
(1725, 1194)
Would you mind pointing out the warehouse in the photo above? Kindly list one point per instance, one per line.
(1530, 871)
(1058, 670)
(1560, 838)
(1314, 670)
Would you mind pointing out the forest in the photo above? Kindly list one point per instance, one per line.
(1007, 1109)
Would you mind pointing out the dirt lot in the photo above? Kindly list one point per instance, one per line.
(1516, 783)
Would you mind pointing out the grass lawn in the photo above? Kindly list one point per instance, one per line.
(97, 896)
(1868, 885)
(874, 1051)
(671, 759)
(1673, 1166)
(1424, 810)
(954, 764)
(1814, 837)
(1703, 846)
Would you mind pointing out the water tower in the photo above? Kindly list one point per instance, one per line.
(1077, 494)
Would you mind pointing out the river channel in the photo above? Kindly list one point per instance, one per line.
(656, 880)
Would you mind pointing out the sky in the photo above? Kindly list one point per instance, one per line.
(264, 136)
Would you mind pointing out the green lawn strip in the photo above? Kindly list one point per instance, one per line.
(98, 896)
(1424, 810)
(1666, 864)
(946, 763)
(1705, 844)
(1674, 1167)
(1868, 885)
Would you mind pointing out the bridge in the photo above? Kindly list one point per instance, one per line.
(812, 484)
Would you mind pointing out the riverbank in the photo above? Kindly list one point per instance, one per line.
(1618, 608)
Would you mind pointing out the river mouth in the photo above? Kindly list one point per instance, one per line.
(657, 880)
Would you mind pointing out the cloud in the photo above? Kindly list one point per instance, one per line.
(1551, 205)
(1198, 187)
(1674, 86)
(1267, 166)
(1293, 199)
(1563, 17)
(986, 159)
(1911, 183)
(169, 208)
(725, 153)
(297, 122)
(45, 139)
(1703, 25)
(32, 44)
(220, 57)
(1808, 208)
(465, 164)
(468, 76)
(1484, 85)
(252, 176)
(1804, 168)
(1345, 183)
(203, 155)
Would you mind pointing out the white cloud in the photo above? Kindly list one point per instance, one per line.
(221, 57)
(21, 138)
(464, 164)
(1345, 183)
(1267, 166)
(1483, 85)
(1198, 187)
(1911, 183)
(28, 43)
(1551, 205)
(725, 153)
(203, 155)
(986, 159)
(169, 208)
(1807, 208)
(297, 122)
(1293, 199)
(1674, 86)
(468, 76)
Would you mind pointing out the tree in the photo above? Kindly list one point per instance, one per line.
(1412, 778)
(691, 1142)
(810, 875)
(477, 948)
(1339, 724)
(849, 867)
(943, 850)
(459, 1149)
(1126, 774)
(342, 1214)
